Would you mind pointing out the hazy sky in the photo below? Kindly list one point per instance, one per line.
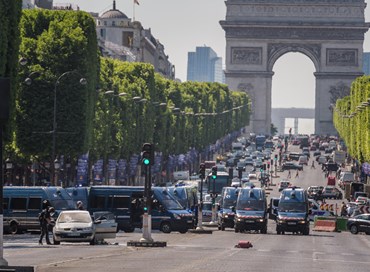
(181, 25)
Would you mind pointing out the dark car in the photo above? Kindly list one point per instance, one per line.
(359, 223)
(317, 153)
(291, 165)
(331, 192)
(294, 156)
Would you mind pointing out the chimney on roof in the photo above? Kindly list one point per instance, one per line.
(114, 4)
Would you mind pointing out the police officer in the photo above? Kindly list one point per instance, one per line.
(45, 220)
(80, 205)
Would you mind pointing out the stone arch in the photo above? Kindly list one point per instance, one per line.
(277, 50)
(330, 33)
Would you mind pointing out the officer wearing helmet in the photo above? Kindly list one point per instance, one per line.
(80, 205)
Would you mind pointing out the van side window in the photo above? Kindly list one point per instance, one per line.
(5, 203)
(97, 202)
(120, 202)
(34, 203)
(18, 203)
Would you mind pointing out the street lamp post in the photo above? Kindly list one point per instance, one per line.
(56, 171)
(82, 81)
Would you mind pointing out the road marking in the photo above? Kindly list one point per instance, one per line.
(263, 250)
(347, 254)
(315, 255)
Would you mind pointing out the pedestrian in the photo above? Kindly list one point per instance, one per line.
(297, 174)
(289, 174)
(313, 164)
(45, 220)
(80, 205)
(343, 209)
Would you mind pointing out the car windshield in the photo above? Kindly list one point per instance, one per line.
(74, 217)
(292, 207)
(250, 205)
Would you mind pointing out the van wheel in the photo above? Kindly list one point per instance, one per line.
(182, 231)
(13, 229)
(306, 231)
(166, 227)
(264, 230)
(92, 242)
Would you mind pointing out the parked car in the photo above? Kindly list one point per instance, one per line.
(303, 160)
(315, 192)
(283, 184)
(332, 192)
(291, 165)
(359, 223)
(78, 226)
(207, 211)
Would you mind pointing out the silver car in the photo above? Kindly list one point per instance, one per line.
(78, 226)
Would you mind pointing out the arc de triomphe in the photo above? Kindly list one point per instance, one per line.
(259, 32)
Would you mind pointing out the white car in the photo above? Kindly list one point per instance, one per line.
(78, 226)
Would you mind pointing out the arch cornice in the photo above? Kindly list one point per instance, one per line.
(276, 50)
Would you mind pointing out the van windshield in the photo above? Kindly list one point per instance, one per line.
(62, 204)
(250, 205)
(292, 207)
(228, 202)
(167, 200)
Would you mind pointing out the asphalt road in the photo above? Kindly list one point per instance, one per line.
(320, 251)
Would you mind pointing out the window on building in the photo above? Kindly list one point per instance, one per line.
(113, 23)
(105, 23)
(102, 33)
(127, 38)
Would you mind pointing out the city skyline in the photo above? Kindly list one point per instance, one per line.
(181, 26)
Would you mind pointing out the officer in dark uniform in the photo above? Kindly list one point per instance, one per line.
(45, 219)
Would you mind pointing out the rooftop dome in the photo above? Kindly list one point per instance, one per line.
(113, 13)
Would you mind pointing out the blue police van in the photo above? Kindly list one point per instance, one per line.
(251, 210)
(293, 212)
(22, 206)
(227, 204)
(127, 204)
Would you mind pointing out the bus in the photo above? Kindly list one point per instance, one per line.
(215, 186)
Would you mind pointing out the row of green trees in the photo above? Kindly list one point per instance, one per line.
(122, 106)
(173, 115)
(352, 119)
(10, 13)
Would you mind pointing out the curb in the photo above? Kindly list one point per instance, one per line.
(146, 244)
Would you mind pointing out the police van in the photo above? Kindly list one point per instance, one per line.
(293, 212)
(22, 206)
(127, 204)
(227, 204)
(251, 210)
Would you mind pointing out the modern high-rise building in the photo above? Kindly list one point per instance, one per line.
(204, 65)
(366, 63)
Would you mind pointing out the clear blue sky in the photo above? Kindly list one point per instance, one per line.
(181, 25)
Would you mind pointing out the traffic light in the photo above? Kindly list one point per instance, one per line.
(264, 167)
(276, 157)
(202, 171)
(268, 165)
(147, 154)
(214, 172)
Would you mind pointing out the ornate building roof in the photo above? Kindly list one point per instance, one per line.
(113, 13)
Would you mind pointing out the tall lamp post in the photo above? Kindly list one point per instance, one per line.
(82, 81)
(4, 116)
